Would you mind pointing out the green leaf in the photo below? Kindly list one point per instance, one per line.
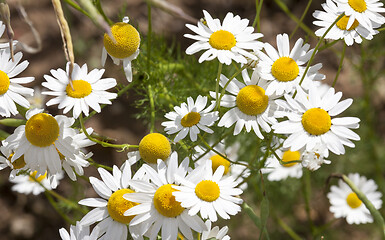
(12, 122)
(252, 215)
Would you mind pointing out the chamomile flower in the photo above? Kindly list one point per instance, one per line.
(277, 171)
(209, 193)
(158, 210)
(41, 140)
(250, 106)
(190, 117)
(227, 42)
(355, 33)
(345, 203)
(366, 12)
(87, 90)
(110, 207)
(38, 99)
(11, 91)
(79, 232)
(314, 158)
(283, 69)
(31, 183)
(124, 46)
(215, 232)
(17, 165)
(312, 121)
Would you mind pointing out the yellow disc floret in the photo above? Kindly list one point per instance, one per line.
(252, 100)
(343, 23)
(222, 40)
(358, 5)
(33, 178)
(353, 201)
(126, 43)
(316, 121)
(117, 205)
(207, 190)
(285, 69)
(18, 163)
(190, 119)
(80, 89)
(4, 82)
(289, 156)
(165, 202)
(217, 161)
(154, 146)
(42, 130)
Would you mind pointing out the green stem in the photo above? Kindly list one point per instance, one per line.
(97, 165)
(77, 7)
(287, 229)
(340, 66)
(152, 105)
(230, 79)
(58, 210)
(258, 5)
(100, 9)
(307, 193)
(217, 86)
(149, 35)
(327, 45)
(301, 19)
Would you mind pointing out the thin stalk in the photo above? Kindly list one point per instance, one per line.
(217, 86)
(258, 5)
(230, 79)
(152, 105)
(287, 229)
(77, 7)
(100, 9)
(301, 19)
(307, 193)
(327, 45)
(340, 66)
(149, 35)
(57, 209)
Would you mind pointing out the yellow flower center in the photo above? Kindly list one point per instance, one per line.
(252, 100)
(353, 201)
(154, 146)
(217, 161)
(343, 22)
(222, 40)
(316, 121)
(80, 89)
(190, 119)
(165, 202)
(127, 40)
(4, 82)
(42, 130)
(285, 69)
(289, 156)
(358, 5)
(117, 205)
(207, 190)
(33, 178)
(18, 163)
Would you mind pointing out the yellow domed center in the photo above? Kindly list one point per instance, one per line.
(358, 5)
(18, 163)
(316, 121)
(285, 69)
(222, 40)
(80, 89)
(33, 178)
(343, 23)
(154, 146)
(4, 82)
(190, 119)
(127, 40)
(207, 190)
(251, 100)
(353, 201)
(117, 205)
(217, 161)
(42, 130)
(289, 156)
(165, 202)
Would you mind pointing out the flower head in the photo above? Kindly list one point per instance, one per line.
(288, 168)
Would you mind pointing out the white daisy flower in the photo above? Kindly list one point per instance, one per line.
(16, 166)
(277, 171)
(366, 12)
(125, 45)
(314, 158)
(340, 31)
(28, 184)
(283, 69)
(312, 121)
(158, 210)
(226, 42)
(42, 140)
(11, 91)
(209, 193)
(37, 100)
(345, 203)
(250, 106)
(215, 232)
(109, 209)
(87, 90)
(190, 117)
(79, 232)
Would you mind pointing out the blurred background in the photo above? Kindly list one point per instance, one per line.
(25, 217)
